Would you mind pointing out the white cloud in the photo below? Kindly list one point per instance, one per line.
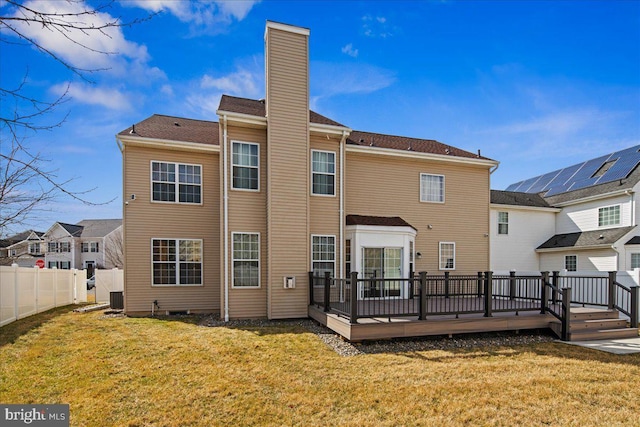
(376, 26)
(202, 15)
(349, 50)
(112, 99)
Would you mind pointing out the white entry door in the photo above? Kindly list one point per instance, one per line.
(382, 263)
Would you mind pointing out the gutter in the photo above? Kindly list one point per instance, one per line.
(225, 214)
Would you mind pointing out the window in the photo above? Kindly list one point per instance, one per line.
(177, 262)
(447, 256)
(13, 252)
(571, 263)
(431, 188)
(503, 222)
(323, 167)
(245, 166)
(64, 247)
(84, 247)
(347, 257)
(34, 248)
(246, 260)
(52, 247)
(93, 247)
(609, 216)
(61, 265)
(635, 260)
(323, 255)
(165, 180)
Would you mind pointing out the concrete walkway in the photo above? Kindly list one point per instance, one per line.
(615, 346)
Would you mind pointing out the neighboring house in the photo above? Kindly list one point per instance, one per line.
(594, 209)
(85, 245)
(23, 249)
(230, 217)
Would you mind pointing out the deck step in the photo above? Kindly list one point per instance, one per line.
(591, 324)
(603, 334)
(582, 313)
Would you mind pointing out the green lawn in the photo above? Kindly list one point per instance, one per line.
(153, 372)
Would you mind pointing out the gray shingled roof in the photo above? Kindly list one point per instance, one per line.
(175, 129)
(17, 238)
(384, 221)
(635, 240)
(254, 107)
(586, 239)
(515, 198)
(74, 230)
(98, 227)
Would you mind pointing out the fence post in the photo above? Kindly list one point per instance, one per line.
(635, 306)
(488, 285)
(311, 288)
(16, 298)
(612, 289)
(354, 297)
(446, 284)
(327, 291)
(411, 281)
(544, 296)
(480, 286)
(555, 281)
(423, 296)
(566, 313)
(512, 285)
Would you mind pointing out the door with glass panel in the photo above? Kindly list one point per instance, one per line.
(381, 263)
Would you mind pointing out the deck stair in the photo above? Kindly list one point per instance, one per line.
(591, 324)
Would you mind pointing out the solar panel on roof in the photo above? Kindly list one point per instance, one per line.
(557, 190)
(514, 187)
(528, 183)
(543, 182)
(589, 168)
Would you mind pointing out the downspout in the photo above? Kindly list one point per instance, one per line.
(342, 141)
(630, 193)
(225, 214)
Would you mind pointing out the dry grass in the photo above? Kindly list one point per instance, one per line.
(153, 372)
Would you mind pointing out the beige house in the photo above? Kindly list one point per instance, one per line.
(230, 216)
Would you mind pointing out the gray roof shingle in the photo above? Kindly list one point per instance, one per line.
(586, 239)
(515, 198)
(384, 221)
(98, 227)
(176, 129)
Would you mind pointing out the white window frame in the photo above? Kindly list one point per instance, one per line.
(52, 247)
(424, 199)
(332, 261)
(333, 194)
(576, 263)
(177, 263)
(94, 247)
(176, 182)
(440, 254)
(631, 260)
(609, 213)
(233, 165)
(234, 259)
(502, 222)
(34, 245)
(64, 247)
(84, 247)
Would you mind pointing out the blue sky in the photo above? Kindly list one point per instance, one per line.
(534, 85)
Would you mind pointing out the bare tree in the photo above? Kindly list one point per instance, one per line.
(114, 249)
(27, 183)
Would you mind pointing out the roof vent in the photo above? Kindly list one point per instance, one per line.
(447, 151)
(361, 139)
(601, 236)
(176, 124)
(133, 129)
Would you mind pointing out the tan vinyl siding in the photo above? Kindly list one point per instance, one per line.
(247, 215)
(144, 220)
(287, 197)
(390, 186)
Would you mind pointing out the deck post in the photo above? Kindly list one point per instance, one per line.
(480, 276)
(327, 291)
(635, 306)
(446, 284)
(423, 296)
(353, 318)
(311, 288)
(544, 296)
(566, 313)
(411, 282)
(488, 285)
(612, 289)
(512, 285)
(555, 282)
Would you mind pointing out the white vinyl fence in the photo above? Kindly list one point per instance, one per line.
(108, 281)
(25, 291)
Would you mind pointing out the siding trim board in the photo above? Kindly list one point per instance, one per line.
(167, 144)
(418, 155)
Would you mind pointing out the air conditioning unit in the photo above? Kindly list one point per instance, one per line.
(289, 282)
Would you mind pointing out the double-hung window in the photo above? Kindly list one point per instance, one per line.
(52, 247)
(177, 261)
(176, 182)
(635, 260)
(65, 247)
(609, 215)
(323, 167)
(245, 163)
(246, 260)
(571, 263)
(503, 222)
(447, 254)
(84, 247)
(93, 247)
(34, 248)
(431, 188)
(323, 255)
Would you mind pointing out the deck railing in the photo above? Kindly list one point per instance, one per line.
(426, 295)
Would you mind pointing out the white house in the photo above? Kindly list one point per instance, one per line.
(23, 249)
(583, 217)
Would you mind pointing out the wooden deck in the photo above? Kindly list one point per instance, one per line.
(392, 326)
